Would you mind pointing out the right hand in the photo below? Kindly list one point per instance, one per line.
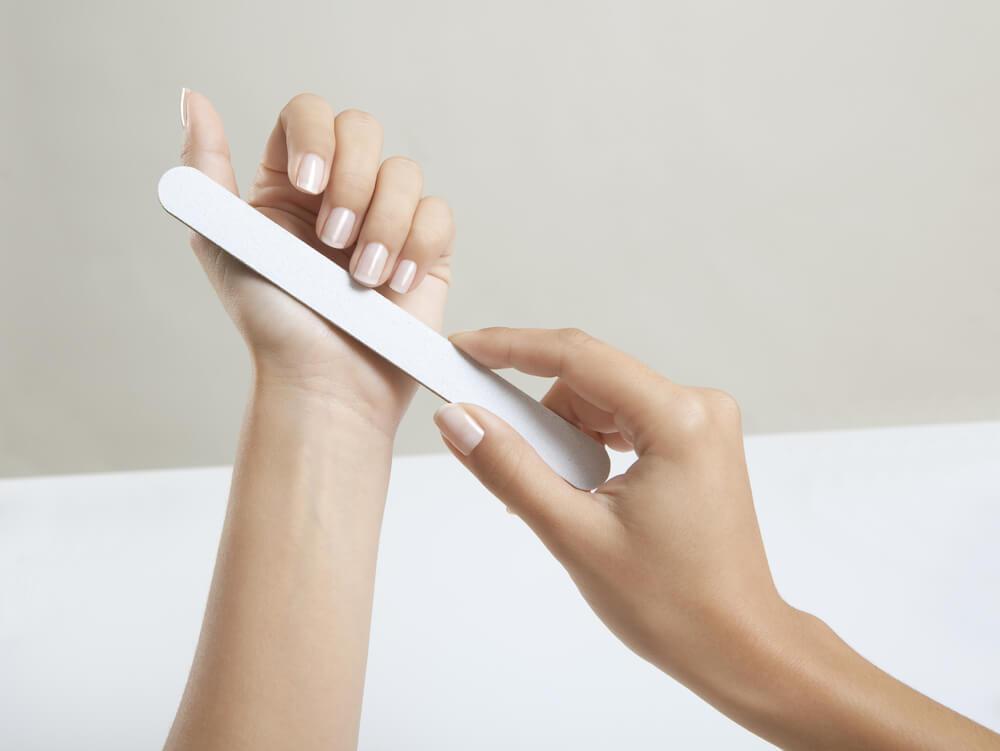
(668, 554)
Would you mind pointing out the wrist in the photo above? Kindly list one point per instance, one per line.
(720, 649)
(768, 671)
(328, 425)
(298, 446)
(341, 399)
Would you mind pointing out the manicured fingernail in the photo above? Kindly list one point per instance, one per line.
(371, 263)
(338, 227)
(459, 428)
(184, 108)
(310, 177)
(403, 277)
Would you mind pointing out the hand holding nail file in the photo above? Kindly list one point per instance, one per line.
(367, 316)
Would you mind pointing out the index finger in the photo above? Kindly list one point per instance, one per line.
(604, 376)
(302, 143)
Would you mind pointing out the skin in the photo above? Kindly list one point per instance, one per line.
(670, 557)
(281, 658)
(669, 554)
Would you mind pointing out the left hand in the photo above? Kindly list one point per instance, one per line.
(322, 178)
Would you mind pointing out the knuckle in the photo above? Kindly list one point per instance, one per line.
(573, 337)
(724, 405)
(192, 154)
(401, 165)
(381, 218)
(498, 335)
(433, 227)
(504, 466)
(354, 183)
(425, 238)
(304, 100)
(701, 411)
(438, 209)
(358, 118)
(572, 343)
(692, 416)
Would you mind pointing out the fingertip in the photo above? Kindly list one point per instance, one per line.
(459, 427)
(184, 114)
(336, 229)
(194, 107)
(205, 145)
(475, 343)
(403, 277)
(311, 174)
(509, 467)
(199, 118)
(368, 262)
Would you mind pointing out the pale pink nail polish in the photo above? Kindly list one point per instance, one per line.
(312, 169)
(184, 108)
(459, 428)
(338, 227)
(371, 263)
(403, 278)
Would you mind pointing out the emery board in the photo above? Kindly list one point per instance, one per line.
(367, 316)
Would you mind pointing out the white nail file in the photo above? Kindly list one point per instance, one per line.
(413, 347)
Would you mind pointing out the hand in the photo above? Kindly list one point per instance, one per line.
(669, 554)
(321, 179)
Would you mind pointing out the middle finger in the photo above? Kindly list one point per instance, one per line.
(352, 178)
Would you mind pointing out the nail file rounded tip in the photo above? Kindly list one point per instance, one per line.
(429, 358)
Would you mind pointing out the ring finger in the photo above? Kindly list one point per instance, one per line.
(387, 223)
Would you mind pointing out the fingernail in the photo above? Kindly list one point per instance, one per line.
(310, 177)
(370, 264)
(338, 227)
(459, 428)
(184, 107)
(403, 277)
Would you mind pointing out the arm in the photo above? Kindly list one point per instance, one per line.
(670, 556)
(281, 658)
(820, 693)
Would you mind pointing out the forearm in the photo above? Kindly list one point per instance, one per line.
(281, 659)
(794, 682)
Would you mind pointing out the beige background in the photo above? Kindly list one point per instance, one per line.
(797, 202)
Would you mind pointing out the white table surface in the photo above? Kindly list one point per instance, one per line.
(479, 638)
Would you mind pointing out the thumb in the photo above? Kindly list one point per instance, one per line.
(205, 144)
(207, 150)
(561, 515)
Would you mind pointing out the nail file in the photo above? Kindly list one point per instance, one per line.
(379, 324)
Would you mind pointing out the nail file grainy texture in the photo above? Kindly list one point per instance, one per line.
(415, 348)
